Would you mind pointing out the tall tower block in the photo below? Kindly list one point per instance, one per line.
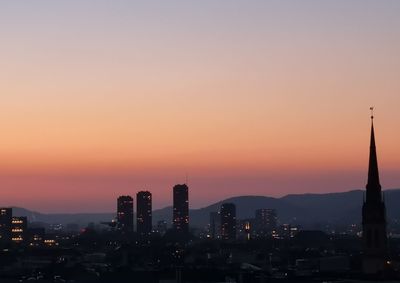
(143, 213)
(181, 208)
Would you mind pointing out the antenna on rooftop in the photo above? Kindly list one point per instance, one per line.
(186, 178)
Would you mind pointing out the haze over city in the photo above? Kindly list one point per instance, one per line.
(250, 98)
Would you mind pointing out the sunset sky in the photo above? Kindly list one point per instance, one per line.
(101, 98)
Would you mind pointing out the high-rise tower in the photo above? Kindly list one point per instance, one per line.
(181, 208)
(228, 221)
(374, 216)
(143, 213)
(125, 214)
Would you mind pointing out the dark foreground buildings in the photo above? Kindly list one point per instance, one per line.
(374, 217)
(181, 208)
(143, 213)
(125, 214)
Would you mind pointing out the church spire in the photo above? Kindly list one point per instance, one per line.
(374, 216)
(373, 186)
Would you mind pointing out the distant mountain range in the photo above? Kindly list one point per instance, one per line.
(308, 210)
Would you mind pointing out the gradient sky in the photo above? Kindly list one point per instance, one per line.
(101, 98)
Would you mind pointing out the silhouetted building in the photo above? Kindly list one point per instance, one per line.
(5, 224)
(228, 221)
(162, 227)
(143, 213)
(19, 226)
(36, 236)
(181, 208)
(125, 213)
(215, 225)
(265, 221)
(374, 216)
(286, 231)
(50, 240)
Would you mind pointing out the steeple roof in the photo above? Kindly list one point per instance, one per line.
(373, 172)
(373, 186)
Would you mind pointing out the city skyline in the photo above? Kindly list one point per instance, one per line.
(245, 141)
(225, 232)
(196, 205)
(257, 98)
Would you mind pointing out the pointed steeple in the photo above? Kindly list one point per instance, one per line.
(373, 185)
(373, 172)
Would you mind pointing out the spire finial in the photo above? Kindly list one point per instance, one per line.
(372, 112)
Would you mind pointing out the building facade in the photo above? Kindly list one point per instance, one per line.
(5, 224)
(228, 221)
(19, 227)
(125, 214)
(181, 208)
(265, 222)
(215, 225)
(143, 213)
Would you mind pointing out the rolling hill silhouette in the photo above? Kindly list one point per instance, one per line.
(303, 209)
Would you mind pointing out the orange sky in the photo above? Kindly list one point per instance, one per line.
(100, 99)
